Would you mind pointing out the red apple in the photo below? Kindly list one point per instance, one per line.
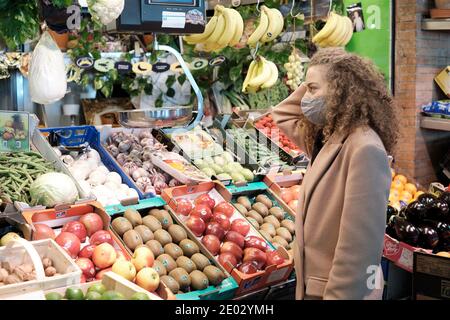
(225, 208)
(43, 231)
(227, 257)
(184, 207)
(212, 243)
(256, 242)
(69, 242)
(196, 225)
(222, 220)
(248, 268)
(100, 274)
(104, 255)
(77, 228)
(93, 223)
(241, 226)
(100, 237)
(87, 251)
(235, 237)
(148, 279)
(215, 229)
(206, 199)
(274, 258)
(232, 248)
(86, 266)
(255, 255)
(202, 211)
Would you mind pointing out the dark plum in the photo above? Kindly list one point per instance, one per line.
(415, 212)
(428, 237)
(427, 199)
(405, 231)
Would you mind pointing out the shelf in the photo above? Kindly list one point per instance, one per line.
(435, 123)
(435, 24)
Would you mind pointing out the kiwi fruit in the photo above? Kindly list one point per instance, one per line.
(145, 233)
(281, 241)
(253, 222)
(277, 212)
(266, 235)
(284, 233)
(199, 280)
(152, 223)
(167, 261)
(152, 212)
(164, 218)
(269, 228)
(156, 247)
(189, 247)
(260, 208)
(214, 274)
(200, 261)
(121, 225)
(255, 215)
(262, 198)
(159, 267)
(171, 283)
(181, 276)
(163, 237)
(240, 208)
(177, 232)
(245, 202)
(133, 216)
(289, 224)
(173, 250)
(186, 263)
(132, 239)
(272, 220)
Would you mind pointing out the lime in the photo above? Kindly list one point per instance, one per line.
(98, 287)
(74, 294)
(53, 296)
(93, 295)
(112, 295)
(140, 296)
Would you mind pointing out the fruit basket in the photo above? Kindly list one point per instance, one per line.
(83, 231)
(258, 266)
(25, 261)
(173, 248)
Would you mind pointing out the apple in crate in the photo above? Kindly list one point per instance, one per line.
(87, 267)
(77, 228)
(100, 237)
(148, 279)
(87, 251)
(100, 274)
(125, 269)
(93, 223)
(121, 255)
(43, 231)
(184, 207)
(207, 200)
(104, 255)
(69, 242)
(142, 258)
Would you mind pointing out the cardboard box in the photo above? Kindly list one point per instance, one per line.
(431, 277)
(443, 80)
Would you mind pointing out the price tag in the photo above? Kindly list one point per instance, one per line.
(161, 67)
(143, 68)
(85, 62)
(123, 67)
(217, 61)
(14, 131)
(176, 67)
(174, 20)
(104, 65)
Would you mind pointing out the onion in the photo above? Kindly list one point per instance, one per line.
(103, 169)
(114, 178)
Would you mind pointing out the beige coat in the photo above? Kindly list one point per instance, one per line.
(341, 216)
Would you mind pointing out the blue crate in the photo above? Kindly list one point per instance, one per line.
(77, 135)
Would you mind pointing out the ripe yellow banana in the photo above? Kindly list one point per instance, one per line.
(218, 31)
(349, 35)
(328, 29)
(260, 30)
(197, 38)
(263, 75)
(281, 19)
(270, 33)
(339, 33)
(230, 27)
(239, 28)
(257, 71)
(273, 75)
(250, 74)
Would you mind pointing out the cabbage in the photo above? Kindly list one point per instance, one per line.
(105, 11)
(53, 188)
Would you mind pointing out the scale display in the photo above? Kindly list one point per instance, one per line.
(172, 2)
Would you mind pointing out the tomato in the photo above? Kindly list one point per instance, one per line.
(184, 207)
(274, 258)
(225, 208)
(212, 243)
(202, 211)
(232, 248)
(196, 225)
(256, 242)
(214, 228)
(207, 200)
(222, 220)
(248, 268)
(235, 237)
(227, 257)
(241, 226)
(255, 255)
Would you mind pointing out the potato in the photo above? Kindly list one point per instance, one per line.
(46, 262)
(3, 274)
(50, 271)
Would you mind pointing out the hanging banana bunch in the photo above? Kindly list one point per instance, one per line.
(337, 32)
(270, 25)
(224, 29)
(262, 74)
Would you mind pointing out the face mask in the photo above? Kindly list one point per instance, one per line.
(314, 110)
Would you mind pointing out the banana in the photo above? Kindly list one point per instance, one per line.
(260, 30)
(218, 31)
(263, 75)
(339, 34)
(273, 77)
(197, 38)
(328, 29)
(270, 33)
(239, 29)
(250, 74)
(349, 35)
(256, 72)
(281, 19)
(230, 27)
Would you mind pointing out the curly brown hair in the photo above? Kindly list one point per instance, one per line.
(357, 96)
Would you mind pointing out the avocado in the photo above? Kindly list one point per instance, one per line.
(53, 296)
(112, 295)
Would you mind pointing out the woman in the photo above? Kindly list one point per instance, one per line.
(358, 23)
(343, 116)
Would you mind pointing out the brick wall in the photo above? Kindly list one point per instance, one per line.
(420, 55)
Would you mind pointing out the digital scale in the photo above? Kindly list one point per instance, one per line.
(161, 16)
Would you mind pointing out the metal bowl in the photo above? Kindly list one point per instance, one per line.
(158, 118)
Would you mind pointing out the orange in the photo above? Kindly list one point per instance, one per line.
(397, 184)
(393, 198)
(405, 195)
(394, 193)
(401, 178)
(410, 188)
(396, 205)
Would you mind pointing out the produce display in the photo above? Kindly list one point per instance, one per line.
(268, 218)
(267, 126)
(261, 74)
(160, 244)
(271, 23)
(424, 222)
(402, 192)
(29, 178)
(12, 273)
(337, 32)
(197, 143)
(258, 152)
(133, 152)
(226, 234)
